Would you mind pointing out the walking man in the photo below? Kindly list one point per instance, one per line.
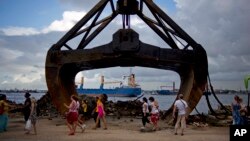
(181, 106)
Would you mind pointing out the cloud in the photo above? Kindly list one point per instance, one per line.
(23, 60)
(222, 28)
(19, 31)
(9, 55)
(69, 19)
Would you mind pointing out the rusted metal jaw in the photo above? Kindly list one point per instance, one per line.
(190, 62)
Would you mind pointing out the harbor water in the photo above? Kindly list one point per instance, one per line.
(165, 101)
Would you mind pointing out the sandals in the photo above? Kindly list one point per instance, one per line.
(71, 133)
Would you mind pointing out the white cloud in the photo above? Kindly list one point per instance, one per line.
(69, 19)
(19, 31)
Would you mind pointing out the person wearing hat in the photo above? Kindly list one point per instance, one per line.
(27, 106)
(181, 105)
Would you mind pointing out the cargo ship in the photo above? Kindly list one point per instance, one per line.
(163, 91)
(131, 89)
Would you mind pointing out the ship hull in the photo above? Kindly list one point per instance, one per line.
(121, 92)
(164, 92)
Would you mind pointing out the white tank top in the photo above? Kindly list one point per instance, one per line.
(145, 108)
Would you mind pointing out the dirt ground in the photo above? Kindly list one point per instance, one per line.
(124, 129)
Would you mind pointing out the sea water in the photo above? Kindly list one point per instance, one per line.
(165, 101)
(19, 97)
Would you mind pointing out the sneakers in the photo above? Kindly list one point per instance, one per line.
(83, 127)
(142, 127)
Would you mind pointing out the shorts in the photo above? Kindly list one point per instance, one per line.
(72, 117)
(154, 118)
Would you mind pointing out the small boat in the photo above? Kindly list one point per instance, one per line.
(166, 91)
(130, 90)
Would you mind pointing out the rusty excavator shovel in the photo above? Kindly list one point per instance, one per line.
(64, 61)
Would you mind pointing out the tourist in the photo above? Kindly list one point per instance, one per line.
(4, 106)
(154, 114)
(145, 112)
(243, 113)
(181, 105)
(236, 106)
(27, 106)
(83, 116)
(101, 113)
(72, 115)
(95, 112)
(33, 115)
(80, 122)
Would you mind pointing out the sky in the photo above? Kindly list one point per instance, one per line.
(28, 28)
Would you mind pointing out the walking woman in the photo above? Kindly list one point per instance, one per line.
(236, 106)
(33, 116)
(27, 106)
(101, 113)
(82, 114)
(154, 117)
(145, 112)
(72, 115)
(83, 117)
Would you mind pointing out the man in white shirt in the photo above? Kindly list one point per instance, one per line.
(181, 105)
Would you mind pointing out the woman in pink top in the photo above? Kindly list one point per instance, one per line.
(72, 115)
(101, 113)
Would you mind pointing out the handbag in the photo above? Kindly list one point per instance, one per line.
(28, 124)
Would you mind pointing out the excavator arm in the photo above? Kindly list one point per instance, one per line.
(64, 61)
